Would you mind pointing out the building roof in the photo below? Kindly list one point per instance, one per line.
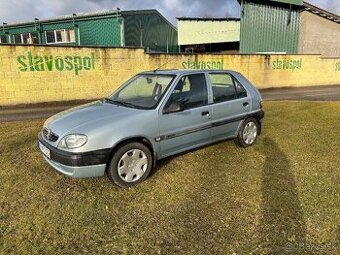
(294, 2)
(87, 15)
(76, 16)
(305, 7)
(154, 11)
(321, 12)
(207, 19)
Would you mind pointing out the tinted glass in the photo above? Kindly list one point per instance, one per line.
(241, 91)
(191, 91)
(223, 87)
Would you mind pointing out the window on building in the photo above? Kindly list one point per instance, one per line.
(26, 38)
(60, 36)
(50, 37)
(70, 35)
(3, 39)
(17, 38)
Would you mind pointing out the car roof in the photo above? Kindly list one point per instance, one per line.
(185, 71)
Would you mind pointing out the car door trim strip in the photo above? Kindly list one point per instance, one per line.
(257, 114)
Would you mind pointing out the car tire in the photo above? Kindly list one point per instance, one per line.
(248, 133)
(130, 164)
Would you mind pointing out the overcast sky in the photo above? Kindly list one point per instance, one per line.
(25, 10)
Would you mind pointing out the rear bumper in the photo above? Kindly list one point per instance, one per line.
(78, 165)
(259, 115)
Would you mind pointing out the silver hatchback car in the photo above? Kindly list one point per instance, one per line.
(153, 115)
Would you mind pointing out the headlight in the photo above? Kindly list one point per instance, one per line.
(73, 141)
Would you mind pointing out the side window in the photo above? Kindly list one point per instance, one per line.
(241, 91)
(190, 91)
(223, 87)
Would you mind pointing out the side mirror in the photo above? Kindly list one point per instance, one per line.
(148, 80)
(173, 107)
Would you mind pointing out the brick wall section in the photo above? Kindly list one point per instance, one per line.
(34, 74)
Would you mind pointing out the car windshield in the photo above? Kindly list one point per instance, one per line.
(143, 91)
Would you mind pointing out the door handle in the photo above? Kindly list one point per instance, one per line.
(206, 113)
(246, 104)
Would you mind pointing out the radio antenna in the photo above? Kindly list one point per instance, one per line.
(167, 62)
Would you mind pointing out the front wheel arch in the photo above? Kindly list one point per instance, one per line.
(138, 139)
(130, 164)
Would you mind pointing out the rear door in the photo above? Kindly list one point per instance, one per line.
(231, 104)
(189, 128)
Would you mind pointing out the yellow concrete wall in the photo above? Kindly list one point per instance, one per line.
(87, 73)
(192, 32)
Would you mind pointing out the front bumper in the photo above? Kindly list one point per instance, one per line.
(77, 165)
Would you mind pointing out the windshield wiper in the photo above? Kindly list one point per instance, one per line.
(109, 100)
(124, 103)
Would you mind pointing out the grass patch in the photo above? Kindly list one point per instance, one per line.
(281, 196)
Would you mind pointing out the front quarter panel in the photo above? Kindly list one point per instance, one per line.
(107, 133)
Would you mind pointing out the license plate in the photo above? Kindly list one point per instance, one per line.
(46, 151)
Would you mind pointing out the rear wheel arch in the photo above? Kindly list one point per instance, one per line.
(239, 139)
(259, 125)
(257, 117)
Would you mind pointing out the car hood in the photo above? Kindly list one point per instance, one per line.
(99, 111)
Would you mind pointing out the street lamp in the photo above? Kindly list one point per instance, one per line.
(3, 26)
(74, 15)
(35, 23)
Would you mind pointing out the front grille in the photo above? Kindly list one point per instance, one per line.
(49, 135)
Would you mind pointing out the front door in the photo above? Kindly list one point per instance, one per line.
(189, 127)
